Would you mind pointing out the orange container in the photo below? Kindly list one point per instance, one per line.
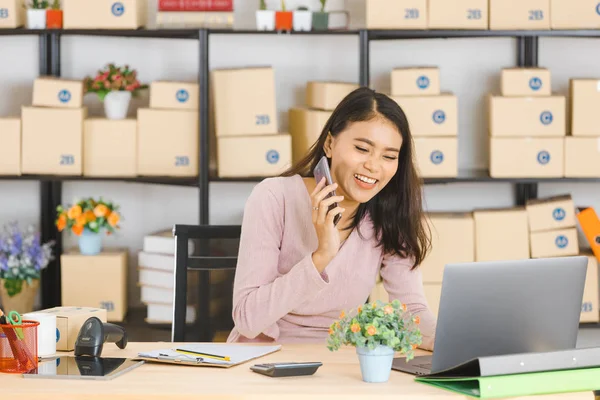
(18, 347)
(284, 20)
(54, 19)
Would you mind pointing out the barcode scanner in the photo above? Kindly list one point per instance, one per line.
(94, 333)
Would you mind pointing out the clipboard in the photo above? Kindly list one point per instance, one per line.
(239, 354)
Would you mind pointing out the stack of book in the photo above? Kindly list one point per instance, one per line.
(195, 14)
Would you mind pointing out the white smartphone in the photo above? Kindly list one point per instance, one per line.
(322, 171)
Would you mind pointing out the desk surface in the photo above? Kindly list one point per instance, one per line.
(338, 378)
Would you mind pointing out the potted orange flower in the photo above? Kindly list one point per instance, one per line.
(377, 330)
(87, 219)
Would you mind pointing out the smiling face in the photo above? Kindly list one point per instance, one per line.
(364, 158)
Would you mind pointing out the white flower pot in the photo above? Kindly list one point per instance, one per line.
(302, 20)
(116, 104)
(376, 364)
(36, 19)
(265, 20)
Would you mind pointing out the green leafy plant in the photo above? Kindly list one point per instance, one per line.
(37, 4)
(323, 4)
(55, 5)
(283, 6)
(113, 78)
(263, 5)
(377, 323)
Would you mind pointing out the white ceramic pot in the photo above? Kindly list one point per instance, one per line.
(302, 20)
(376, 364)
(116, 104)
(265, 20)
(36, 19)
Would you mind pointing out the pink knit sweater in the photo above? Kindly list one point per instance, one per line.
(278, 293)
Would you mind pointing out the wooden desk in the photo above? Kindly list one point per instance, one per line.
(338, 378)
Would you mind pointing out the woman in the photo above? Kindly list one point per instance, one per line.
(296, 270)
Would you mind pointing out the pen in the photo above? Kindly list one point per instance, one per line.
(224, 358)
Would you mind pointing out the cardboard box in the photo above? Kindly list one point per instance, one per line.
(57, 92)
(551, 213)
(590, 304)
(433, 295)
(172, 154)
(452, 241)
(10, 148)
(110, 147)
(12, 14)
(327, 95)
(104, 14)
(526, 157)
(305, 126)
(416, 81)
(247, 93)
(501, 234)
(379, 293)
(52, 140)
(527, 116)
(174, 95)
(519, 14)
(582, 157)
(557, 243)
(396, 14)
(458, 14)
(436, 157)
(580, 14)
(585, 102)
(526, 82)
(431, 115)
(69, 321)
(108, 271)
(254, 156)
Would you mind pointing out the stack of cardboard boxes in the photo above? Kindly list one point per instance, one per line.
(52, 129)
(433, 119)
(168, 130)
(501, 234)
(248, 143)
(527, 126)
(307, 122)
(582, 147)
(552, 227)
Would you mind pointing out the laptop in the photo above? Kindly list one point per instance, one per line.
(504, 307)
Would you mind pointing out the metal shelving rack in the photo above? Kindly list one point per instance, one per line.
(50, 64)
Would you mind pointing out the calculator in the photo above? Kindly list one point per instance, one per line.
(281, 369)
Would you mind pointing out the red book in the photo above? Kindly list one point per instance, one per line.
(195, 5)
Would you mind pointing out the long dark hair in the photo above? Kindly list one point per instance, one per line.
(396, 211)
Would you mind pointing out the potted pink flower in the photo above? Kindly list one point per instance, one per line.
(115, 86)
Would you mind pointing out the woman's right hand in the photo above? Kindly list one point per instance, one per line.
(327, 233)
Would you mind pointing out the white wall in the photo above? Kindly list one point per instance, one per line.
(469, 68)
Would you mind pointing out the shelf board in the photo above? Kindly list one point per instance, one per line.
(20, 31)
(391, 34)
(257, 32)
(132, 33)
(159, 180)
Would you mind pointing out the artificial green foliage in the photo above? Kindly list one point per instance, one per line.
(377, 323)
(263, 5)
(323, 4)
(55, 5)
(38, 4)
(283, 5)
(113, 78)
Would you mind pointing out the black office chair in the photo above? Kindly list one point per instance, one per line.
(204, 260)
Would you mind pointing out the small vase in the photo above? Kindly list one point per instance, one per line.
(116, 104)
(320, 21)
(265, 20)
(284, 20)
(302, 20)
(54, 19)
(90, 243)
(23, 301)
(376, 364)
(36, 18)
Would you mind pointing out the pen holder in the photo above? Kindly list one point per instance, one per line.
(18, 347)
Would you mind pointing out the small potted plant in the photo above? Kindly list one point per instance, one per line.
(284, 19)
(302, 19)
(87, 219)
(320, 19)
(265, 19)
(377, 330)
(36, 14)
(114, 86)
(22, 258)
(54, 16)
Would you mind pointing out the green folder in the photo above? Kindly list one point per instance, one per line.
(525, 384)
